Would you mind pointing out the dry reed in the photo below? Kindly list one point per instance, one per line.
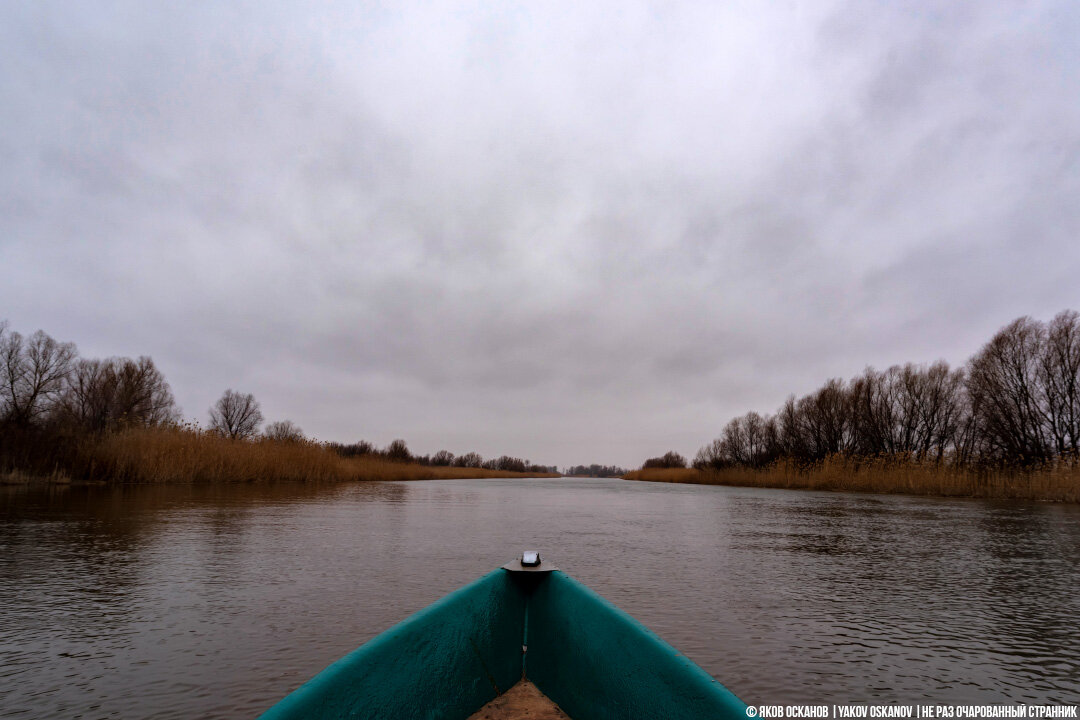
(182, 455)
(19, 477)
(1059, 483)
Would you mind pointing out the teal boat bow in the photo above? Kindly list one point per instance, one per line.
(446, 661)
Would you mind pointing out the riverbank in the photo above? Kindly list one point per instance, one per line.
(904, 477)
(181, 455)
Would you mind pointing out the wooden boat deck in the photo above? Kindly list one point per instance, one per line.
(523, 701)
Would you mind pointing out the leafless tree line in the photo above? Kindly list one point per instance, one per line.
(668, 460)
(44, 382)
(595, 470)
(398, 451)
(1017, 401)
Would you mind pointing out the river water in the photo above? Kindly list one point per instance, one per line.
(214, 602)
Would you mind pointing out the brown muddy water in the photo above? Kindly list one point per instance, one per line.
(214, 602)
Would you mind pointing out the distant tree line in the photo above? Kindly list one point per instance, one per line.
(595, 470)
(670, 459)
(398, 451)
(1015, 402)
(50, 397)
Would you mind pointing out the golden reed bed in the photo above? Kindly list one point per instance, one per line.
(184, 455)
(888, 475)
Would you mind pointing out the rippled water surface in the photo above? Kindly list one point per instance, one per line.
(183, 602)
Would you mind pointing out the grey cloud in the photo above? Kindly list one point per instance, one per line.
(570, 233)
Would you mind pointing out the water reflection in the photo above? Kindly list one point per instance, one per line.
(216, 601)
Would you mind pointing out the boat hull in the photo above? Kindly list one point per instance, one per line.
(446, 661)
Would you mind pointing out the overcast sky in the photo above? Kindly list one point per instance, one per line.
(572, 232)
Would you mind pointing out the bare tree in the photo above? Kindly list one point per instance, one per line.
(734, 444)
(104, 394)
(747, 441)
(909, 409)
(1003, 380)
(5, 375)
(793, 441)
(512, 464)
(817, 425)
(1059, 375)
(398, 451)
(142, 396)
(472, 459)
(284, 431)
(871, 412)
(87, 399)
(442, 458)
(711, 456)
(941, 410)
(33, 372)
(966, 441)
(670, 459)
(236, 415)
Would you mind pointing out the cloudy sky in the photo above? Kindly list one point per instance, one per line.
(572, 232)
